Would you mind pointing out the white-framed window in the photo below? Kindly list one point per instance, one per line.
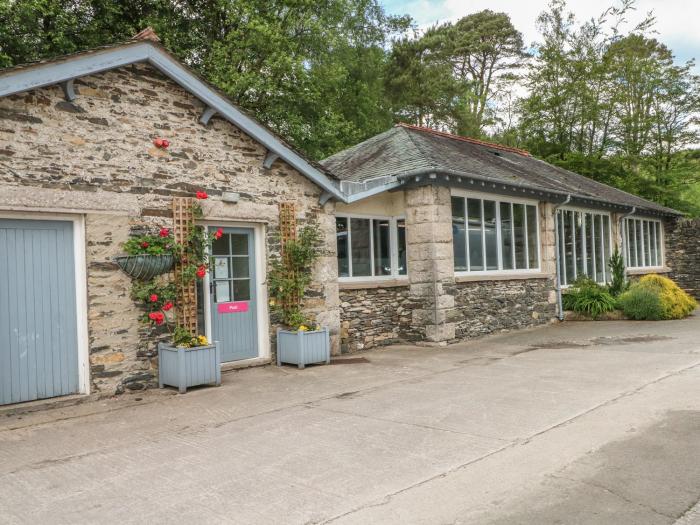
(493, 235)
(584, 245)
(643, 243)
(370, 246)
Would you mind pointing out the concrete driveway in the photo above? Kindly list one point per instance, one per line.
(577, 423)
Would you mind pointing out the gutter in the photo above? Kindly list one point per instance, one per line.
(557, 256)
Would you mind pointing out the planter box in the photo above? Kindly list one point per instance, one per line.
(303, 348)
(185, 367)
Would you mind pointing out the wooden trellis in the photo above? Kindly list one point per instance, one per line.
(288, 232)
(186, 306)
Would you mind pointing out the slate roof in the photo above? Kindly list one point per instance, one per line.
(405, 151)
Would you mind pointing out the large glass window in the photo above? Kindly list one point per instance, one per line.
(584, 245)
(643, 243)
(490, 235)
(373, 247)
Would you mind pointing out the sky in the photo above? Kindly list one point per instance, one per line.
(676, 20)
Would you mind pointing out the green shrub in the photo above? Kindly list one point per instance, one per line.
(654, 297)
(641, 304)
(589, 298)
(618, 282)
(675, 303)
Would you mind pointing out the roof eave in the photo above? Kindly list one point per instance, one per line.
(56, 72)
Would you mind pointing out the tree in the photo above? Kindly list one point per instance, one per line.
(612, 105)
(420, 87)
(311, 70)
(484, 50)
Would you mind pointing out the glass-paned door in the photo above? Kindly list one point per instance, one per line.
(232, 294)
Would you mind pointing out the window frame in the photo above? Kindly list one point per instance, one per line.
(639, 249)
(561, 250)
(393, 247)
(498, 199)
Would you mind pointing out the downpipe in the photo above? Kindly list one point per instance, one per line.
(557, 257)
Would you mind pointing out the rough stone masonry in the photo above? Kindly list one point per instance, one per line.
(94, 157)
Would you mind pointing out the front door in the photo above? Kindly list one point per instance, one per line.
(232, 294)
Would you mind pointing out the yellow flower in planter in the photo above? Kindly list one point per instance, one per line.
(303, 328)
(203, 341)
(272, 302)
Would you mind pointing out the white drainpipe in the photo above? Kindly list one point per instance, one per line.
(560, 308)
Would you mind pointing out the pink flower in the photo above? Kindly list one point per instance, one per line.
(202, 195)
(201, 271)
(167, 306)
(164, 232)
(219, 233)
(144, 244)
(153, 298)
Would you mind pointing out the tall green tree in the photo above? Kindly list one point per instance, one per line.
(612, 105)
(484, 50)
(420, 87)
(453, 74)
(310, 69)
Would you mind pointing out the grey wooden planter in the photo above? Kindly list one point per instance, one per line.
(303, 348)
(185, 367)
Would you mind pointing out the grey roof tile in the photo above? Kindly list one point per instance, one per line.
(405, 149)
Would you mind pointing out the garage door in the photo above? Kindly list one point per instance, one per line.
(38, 328)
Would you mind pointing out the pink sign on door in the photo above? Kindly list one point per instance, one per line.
(235, 307)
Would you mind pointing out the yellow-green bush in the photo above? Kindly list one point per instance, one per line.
(673, 303)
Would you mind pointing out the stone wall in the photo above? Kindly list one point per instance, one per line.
(430, 261)
(371, 317)
(683, 254)
(95, 157)
(483, 307)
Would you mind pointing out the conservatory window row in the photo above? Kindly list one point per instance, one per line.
(584, 244)
(492, 235)
(371, 247)
(643, 243)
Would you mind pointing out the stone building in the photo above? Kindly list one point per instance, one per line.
(429, 237)
(444, 237)
(79, 174)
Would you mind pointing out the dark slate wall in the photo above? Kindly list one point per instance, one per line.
(683, 254)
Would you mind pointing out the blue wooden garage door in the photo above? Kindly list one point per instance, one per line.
(38, 328)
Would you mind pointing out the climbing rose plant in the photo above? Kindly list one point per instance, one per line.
(159, 295)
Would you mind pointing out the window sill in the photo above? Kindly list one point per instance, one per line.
(502, 277)
(379, 283)
(650, 269)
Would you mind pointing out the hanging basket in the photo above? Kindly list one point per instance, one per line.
(145, 267)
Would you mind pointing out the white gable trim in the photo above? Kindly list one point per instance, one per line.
(51, 73)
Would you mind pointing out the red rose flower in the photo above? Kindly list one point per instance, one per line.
(201, 271)
(164, 232)
(153, 298)
(201, 195)
(144, 244)
(153, 316)
(219, 233)
(167, 306)
(165, 143)
(159, 320)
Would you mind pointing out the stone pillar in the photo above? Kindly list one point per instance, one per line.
(431, 262)
(548, 247)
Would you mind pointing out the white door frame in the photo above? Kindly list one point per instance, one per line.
(263, 320)
(80, 284)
